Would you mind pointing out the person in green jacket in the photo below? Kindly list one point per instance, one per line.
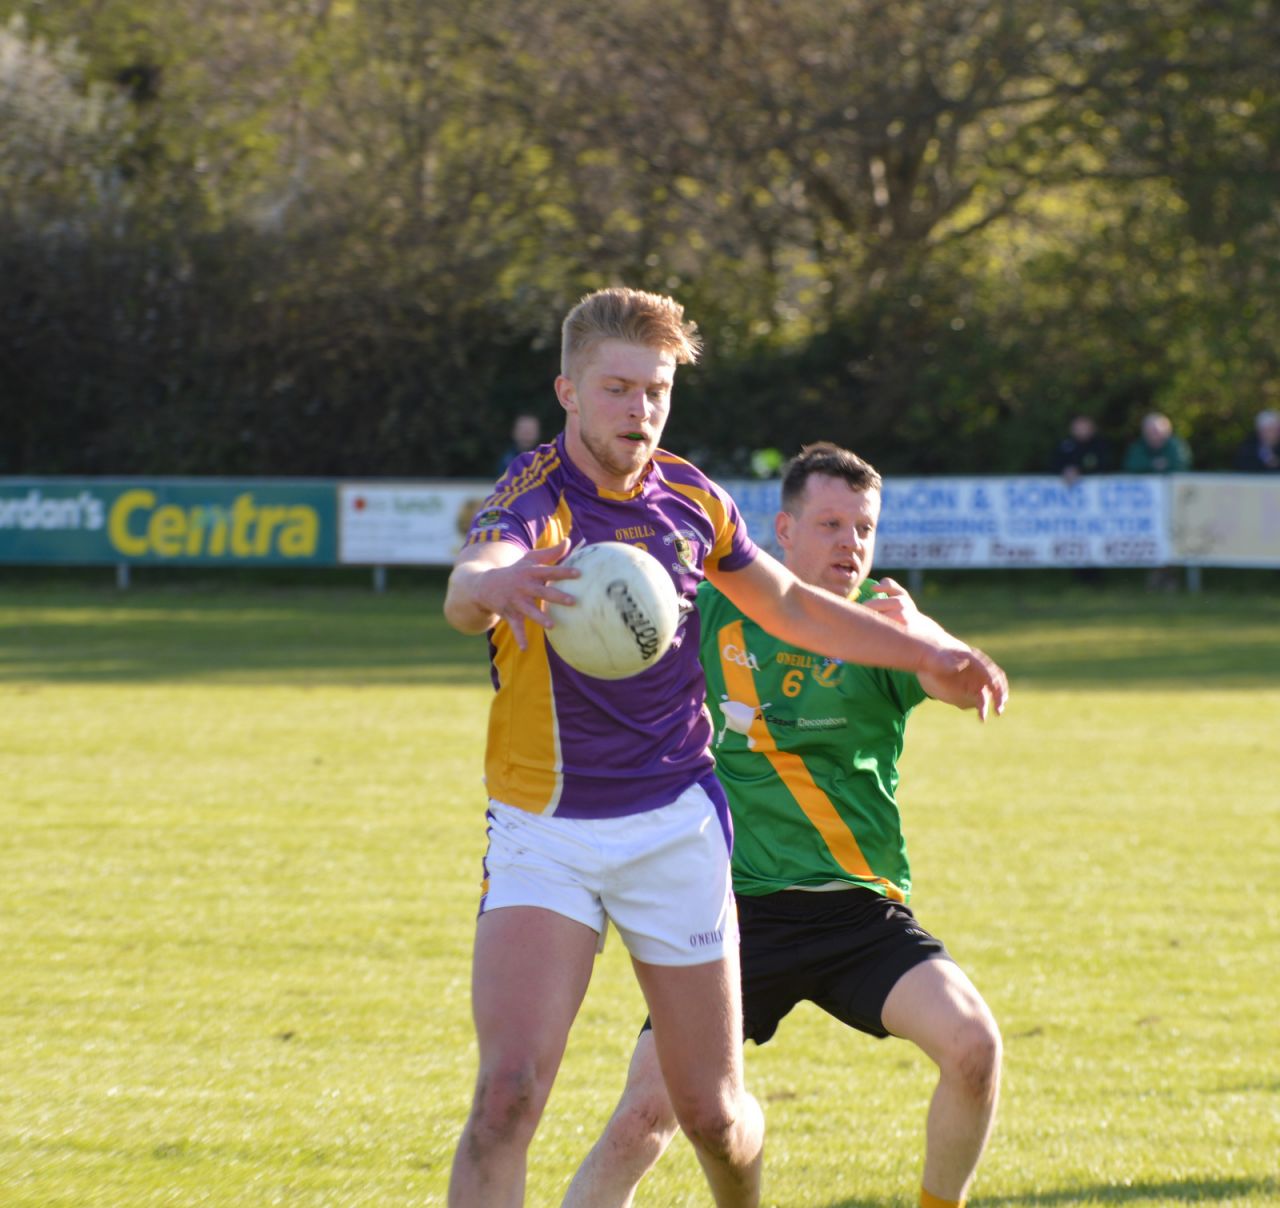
(807, 749)
(1157, 450)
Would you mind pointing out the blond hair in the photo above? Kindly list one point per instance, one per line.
(652, 320)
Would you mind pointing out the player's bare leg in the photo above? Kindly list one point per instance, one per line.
(529, 972)
(936, 1006)
(639, 1131)
(697, 1029)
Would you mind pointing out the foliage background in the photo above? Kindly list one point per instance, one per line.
(336, 236)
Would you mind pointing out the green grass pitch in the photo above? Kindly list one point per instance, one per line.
(240, 834)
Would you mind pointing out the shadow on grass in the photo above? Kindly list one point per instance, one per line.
(1119, 638)
(307, 636)
(1180, 1191)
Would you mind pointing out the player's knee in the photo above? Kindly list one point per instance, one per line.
(712, 1125)
(644, 1125)
(507, 1106)
(975, 1058)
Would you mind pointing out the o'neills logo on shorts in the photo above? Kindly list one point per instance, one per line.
(703, 939)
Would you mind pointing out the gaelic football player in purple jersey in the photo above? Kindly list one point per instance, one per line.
(602, 800)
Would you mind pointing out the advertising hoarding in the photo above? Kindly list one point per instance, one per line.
(181, 522)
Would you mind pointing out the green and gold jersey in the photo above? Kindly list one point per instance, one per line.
(807, 749)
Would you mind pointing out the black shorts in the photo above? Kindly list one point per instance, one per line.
(843, 950)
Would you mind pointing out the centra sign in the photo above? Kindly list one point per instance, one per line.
(175, 521)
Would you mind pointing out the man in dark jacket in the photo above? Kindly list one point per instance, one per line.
(1082, 451)
(1260, 453)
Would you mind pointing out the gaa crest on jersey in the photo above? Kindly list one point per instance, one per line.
(684, 544)
(734, 654)
(488, 520)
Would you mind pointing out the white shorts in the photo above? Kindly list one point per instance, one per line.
(662, 876)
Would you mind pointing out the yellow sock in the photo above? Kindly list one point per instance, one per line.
(936, 1201)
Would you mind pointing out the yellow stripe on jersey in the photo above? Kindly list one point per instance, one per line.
(522, 726)
(718, 514)
(793, 773)
(524, 765)
(533, 475)
(605, 493)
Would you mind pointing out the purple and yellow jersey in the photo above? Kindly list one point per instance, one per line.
(566, 743)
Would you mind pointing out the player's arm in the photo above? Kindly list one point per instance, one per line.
(893, 602)
(817, 620)
(502, 581)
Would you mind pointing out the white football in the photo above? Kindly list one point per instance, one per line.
(626, 611)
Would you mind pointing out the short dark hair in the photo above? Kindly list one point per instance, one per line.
(823, 457)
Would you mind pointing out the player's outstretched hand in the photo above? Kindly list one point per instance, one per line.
(969, 679)
(517, 593)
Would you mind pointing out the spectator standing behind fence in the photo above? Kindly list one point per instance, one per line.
(1157, 450)
(1260, 453)
(1082, 451)
(526, 431)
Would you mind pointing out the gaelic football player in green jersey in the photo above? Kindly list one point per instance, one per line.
(807, 750)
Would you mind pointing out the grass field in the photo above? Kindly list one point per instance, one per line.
(241, 837)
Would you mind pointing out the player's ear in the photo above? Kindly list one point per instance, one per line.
(566, 394)
(783, 526)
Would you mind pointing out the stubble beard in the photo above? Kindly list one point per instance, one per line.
(608, 459)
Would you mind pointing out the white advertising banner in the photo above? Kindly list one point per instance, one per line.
(925, 523)
(1107, 520)
(928, 523)
(405, 524)
(1226, 519)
